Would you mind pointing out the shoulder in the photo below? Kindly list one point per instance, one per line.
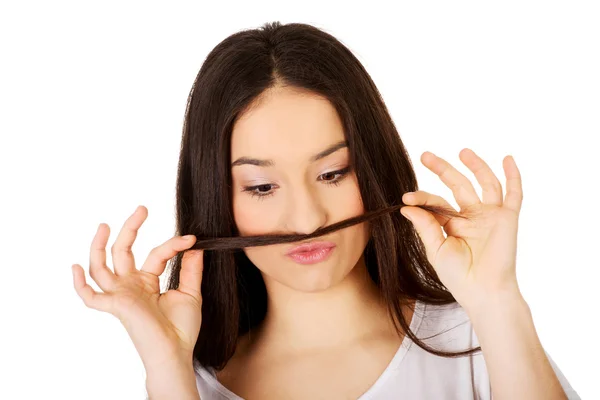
(448, 328)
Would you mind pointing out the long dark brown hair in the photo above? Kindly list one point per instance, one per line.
(233, 76)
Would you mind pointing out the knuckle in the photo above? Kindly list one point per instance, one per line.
(154, 253)
(115, 249)
(86, 301)
(491, 185)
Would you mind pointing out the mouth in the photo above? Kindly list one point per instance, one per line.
(311, 246)
(311, 253)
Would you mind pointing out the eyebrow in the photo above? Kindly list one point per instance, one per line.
(269, 163)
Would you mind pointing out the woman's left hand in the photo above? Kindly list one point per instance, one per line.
(477, 259)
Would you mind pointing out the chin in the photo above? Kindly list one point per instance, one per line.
(313, 285)
(314, 278)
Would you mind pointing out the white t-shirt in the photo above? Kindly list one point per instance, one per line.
(414, 373)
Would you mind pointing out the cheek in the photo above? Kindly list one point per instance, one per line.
(352, 239)
(255, 217)
(350, 206)
(252, 217)
(348, 201)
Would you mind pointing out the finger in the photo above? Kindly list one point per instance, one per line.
(157, 260)
(123, 260)
(428, 229)
(461, 187)
(99, 271)
(91, 298)
(422, 197)
(490, 185)
(190, 276)
(514, 185)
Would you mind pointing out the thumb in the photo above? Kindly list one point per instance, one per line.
(190, 275)
(428, 228)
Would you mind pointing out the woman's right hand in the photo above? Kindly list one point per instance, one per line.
(164, 327)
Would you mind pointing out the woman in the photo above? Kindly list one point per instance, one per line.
(286, 139)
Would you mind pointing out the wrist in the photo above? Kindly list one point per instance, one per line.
(175, 380)
(497, 305)
(167, 361)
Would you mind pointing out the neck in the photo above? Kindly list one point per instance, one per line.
(346, 313)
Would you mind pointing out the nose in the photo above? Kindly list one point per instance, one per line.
(306, 212)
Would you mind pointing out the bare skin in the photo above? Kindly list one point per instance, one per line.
(327, 333)
(346, 371)
(163, 326)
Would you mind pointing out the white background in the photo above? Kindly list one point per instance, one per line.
(92, 98)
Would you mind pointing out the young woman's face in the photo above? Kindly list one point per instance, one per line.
(294, 192)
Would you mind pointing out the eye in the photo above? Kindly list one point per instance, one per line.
(342, 173)
(262, 191)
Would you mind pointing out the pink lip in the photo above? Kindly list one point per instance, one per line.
(313, 252)
(309, 247)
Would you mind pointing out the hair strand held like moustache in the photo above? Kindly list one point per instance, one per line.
(239, 242)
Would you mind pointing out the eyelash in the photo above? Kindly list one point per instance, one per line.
(342, 172)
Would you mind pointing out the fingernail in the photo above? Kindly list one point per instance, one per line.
(405, 215)
(187, 237)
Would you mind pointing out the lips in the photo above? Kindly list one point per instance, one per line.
(310, 247)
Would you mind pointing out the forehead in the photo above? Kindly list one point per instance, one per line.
(286, 124)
